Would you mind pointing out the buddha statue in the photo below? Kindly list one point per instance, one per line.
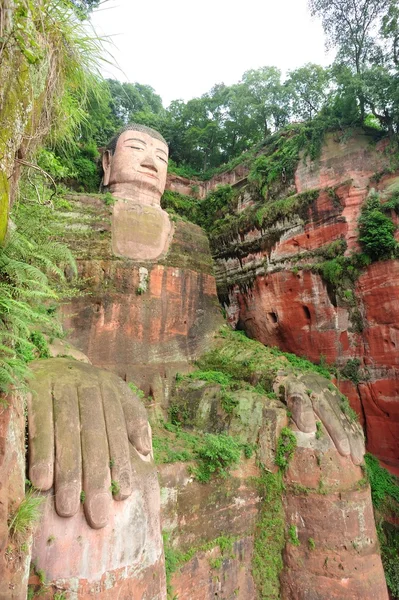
(135, 166)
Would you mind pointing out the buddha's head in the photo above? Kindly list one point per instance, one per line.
(135, 164)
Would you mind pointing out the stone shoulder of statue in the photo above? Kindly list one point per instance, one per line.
(135, 166)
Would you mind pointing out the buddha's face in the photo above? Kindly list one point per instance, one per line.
(138, 165)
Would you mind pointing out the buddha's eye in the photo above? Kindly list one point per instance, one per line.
(163, 159)
(136, 148)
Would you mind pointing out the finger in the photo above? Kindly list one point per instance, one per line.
(300, 407)
(118, 442)
(138, 427)
(95, 456)
(41, 432)
(356, 439)
(68, 459)
(332, 423)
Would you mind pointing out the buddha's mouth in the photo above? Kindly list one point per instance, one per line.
(149, 174)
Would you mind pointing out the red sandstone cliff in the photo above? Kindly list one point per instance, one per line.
(271, 290)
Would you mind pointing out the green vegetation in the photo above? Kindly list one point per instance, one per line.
(286, 446)
(384, 486)
(247, 360)
(31, 265)
(44, 98)
(293, 536)
(347, 409)
(319, 430)
(351, 370)
(213, 454)
(25, 516)
(311, 544)
(218, 454)
(269, 542)
(115, 487)
(376, 230)
(136, 390)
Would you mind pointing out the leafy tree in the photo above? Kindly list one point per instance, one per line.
(308, 87)
(129, 99)
(356, 28)
(266, 98)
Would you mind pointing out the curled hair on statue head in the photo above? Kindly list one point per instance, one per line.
(134, 127)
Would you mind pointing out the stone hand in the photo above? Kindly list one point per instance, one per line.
(309, 399)
(81, 420)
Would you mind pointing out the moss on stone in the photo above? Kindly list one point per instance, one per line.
(267, 561)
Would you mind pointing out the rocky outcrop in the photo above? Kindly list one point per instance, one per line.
(273, 285)
(225, 538)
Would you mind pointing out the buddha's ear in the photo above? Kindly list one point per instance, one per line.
(107, 160)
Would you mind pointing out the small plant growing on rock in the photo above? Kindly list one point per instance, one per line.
(319, 430)
(293, 536)
(218, 454)
(311, 544)
(285, 448)
(115, 487)
(22, 520)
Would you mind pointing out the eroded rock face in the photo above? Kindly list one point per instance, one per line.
(195, 514)
(268, 292)
(329, 539)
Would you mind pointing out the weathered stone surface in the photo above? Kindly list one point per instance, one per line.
(199, 189)
(195, 514)
(14, 552)
(278, 302)
(81, 420)
(203, 579)
(122, 560)
(333, 552)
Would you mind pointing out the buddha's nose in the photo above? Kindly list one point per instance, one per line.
(149, 163)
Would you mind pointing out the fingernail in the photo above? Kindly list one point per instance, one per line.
(97, 510)
(144, 440)
(67, 499)
(124, 479)
(41, 476)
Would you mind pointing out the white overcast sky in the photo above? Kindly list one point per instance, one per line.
(182, 48)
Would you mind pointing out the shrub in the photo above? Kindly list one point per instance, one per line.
(216, 456)
(285, 448)
(376, 230)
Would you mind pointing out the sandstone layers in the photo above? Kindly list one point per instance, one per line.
(271, 291)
